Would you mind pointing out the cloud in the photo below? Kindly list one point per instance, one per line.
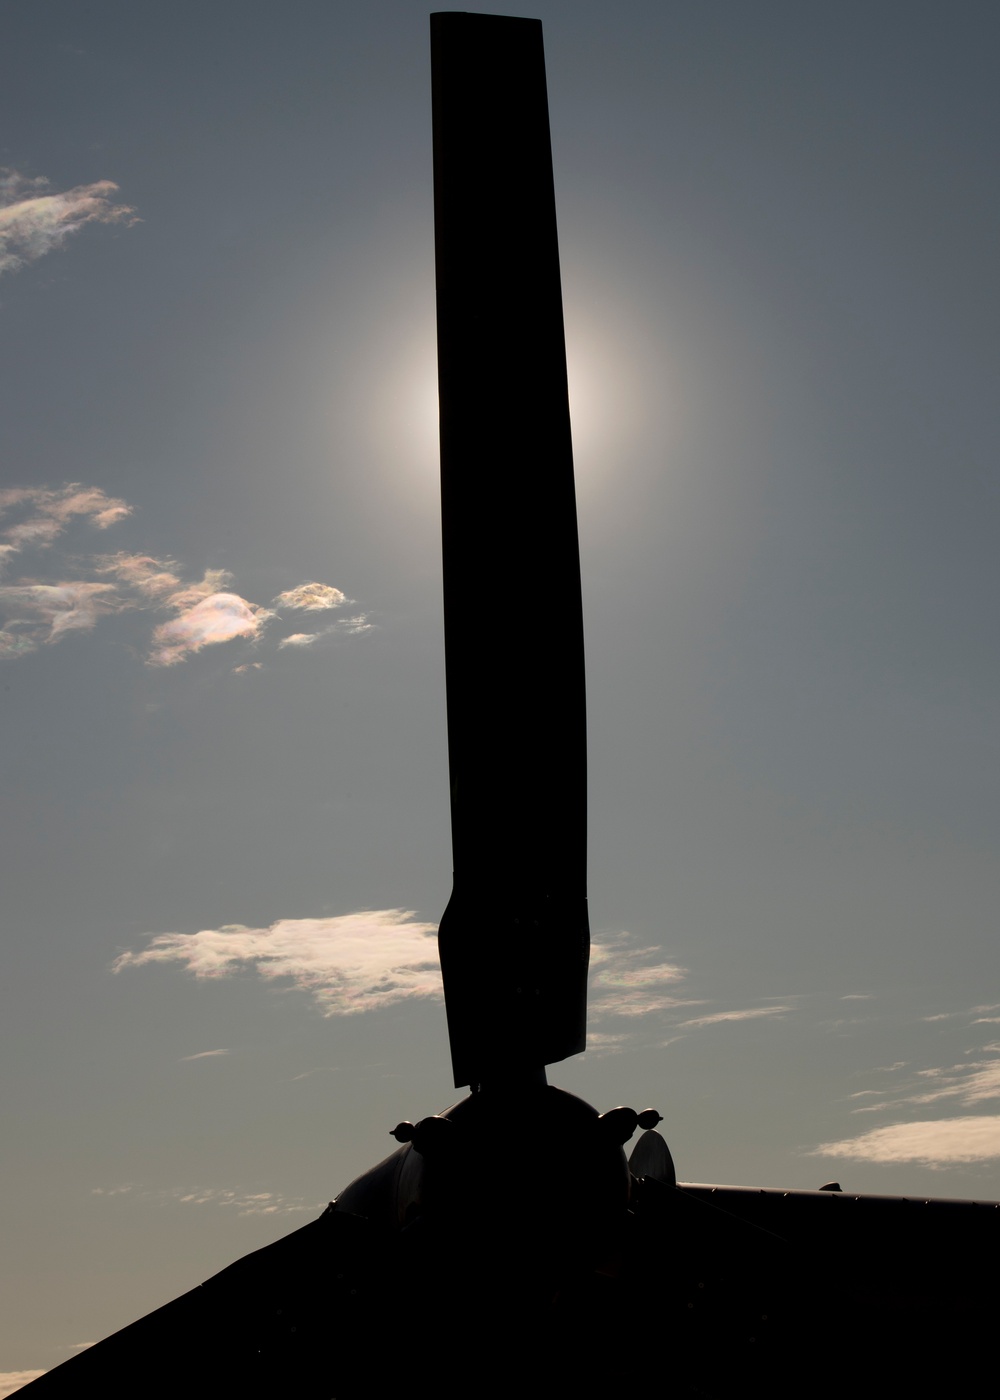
(349, 963)
(625, 981)
(243, 1202)
(311, 597)
(939, 1142)
(218, 618)
(605, 1042)
(10, 1381)
(971, 1083)
(208, 612)
(153, 579)
(204, 1055)
(200, 613)
(717, 1017)
(978, 1011)
(51, 611)
(34, 221)
(858, 996)
(45, 513)
(347, 626)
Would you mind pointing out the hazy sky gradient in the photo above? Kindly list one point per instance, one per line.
(222, 676)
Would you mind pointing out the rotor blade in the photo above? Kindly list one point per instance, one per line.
(514, 940)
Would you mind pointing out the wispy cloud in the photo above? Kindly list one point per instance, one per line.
(41, 612)
(939, 1142)
(243, 1202)
(748, 1014)
(42, 514)
(631, 981)
(204, 1055)
(634, 985)
(11, 1381)
(35, 221)
(196, 613)
(246, 1202)
(980, 1012)
(345, 626)
(349, 963)
(969, 1083)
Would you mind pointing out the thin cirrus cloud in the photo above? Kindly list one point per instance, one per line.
(195, 614)
(940, 1142)
(243, 1202)
(978, 1015)
(717, 1018)
(34, 220)
(631, 981)
(972, 1082)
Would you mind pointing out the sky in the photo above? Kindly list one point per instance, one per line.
(226, 841)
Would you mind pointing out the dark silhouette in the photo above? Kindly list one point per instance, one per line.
(505, 1247)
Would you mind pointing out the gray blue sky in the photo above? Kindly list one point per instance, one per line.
(225, 827)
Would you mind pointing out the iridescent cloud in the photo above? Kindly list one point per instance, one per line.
(206, 611)
(34, 221)
(311, 597)
(217, 618)
(43, 514)
(43, 612)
